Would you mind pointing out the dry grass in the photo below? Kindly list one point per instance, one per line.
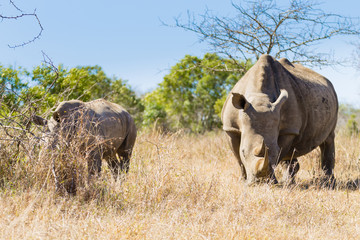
(184, 187)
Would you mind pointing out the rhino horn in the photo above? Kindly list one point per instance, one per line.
(259, 151)
(281, 99)
(263, 163)
(266, 155)
(266, 158)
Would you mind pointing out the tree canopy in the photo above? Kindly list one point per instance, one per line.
(11, 86)
(24, 92)
(192, 94)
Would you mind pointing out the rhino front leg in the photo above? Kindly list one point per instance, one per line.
(328, 157)
(234, 140)
(290, 168)
(290, 165)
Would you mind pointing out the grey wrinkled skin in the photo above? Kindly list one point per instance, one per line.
(102, 130)
(277, 112)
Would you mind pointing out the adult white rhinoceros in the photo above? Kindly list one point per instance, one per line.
(277, 112)
(101, 129)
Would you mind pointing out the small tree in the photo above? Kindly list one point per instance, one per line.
(122, 93)
(189, 94)
(83, 83)
(154, 111)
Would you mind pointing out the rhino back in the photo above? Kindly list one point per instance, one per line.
(112, 121)
(318, 105)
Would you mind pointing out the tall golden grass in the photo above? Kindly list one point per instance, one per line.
(180, 186)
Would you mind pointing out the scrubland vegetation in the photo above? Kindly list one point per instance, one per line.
(180, 186)
(183, 181)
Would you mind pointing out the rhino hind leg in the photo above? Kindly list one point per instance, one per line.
(125, 152)
(119, 165)
(114, 166)
(327, 161)
(122, 163)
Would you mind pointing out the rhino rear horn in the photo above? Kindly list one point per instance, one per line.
(281, 99)
(239, 101)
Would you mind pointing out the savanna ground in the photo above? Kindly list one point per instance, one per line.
(180, 186)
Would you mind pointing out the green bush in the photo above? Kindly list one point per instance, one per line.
(192, 94)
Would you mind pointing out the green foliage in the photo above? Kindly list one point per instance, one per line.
(192, 94)
(11, 85)
(347, 118)
(352, 126)
(122, 93)
(42, 88)
(346, 110)
(154, 111)
(84, 83)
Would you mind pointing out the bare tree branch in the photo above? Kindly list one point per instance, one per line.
(263, 27)
(22, 15)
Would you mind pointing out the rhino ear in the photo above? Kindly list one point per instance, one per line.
(239, 101)
(281, 99)
(39, 120)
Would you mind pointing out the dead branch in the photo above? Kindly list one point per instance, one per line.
(22, 15)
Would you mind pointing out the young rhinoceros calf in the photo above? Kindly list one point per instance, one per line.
(100, 129)
(277, 112)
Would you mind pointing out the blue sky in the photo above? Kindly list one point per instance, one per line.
(127, 38)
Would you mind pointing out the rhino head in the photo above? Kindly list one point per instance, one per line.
(259, 121)
(63, 123)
